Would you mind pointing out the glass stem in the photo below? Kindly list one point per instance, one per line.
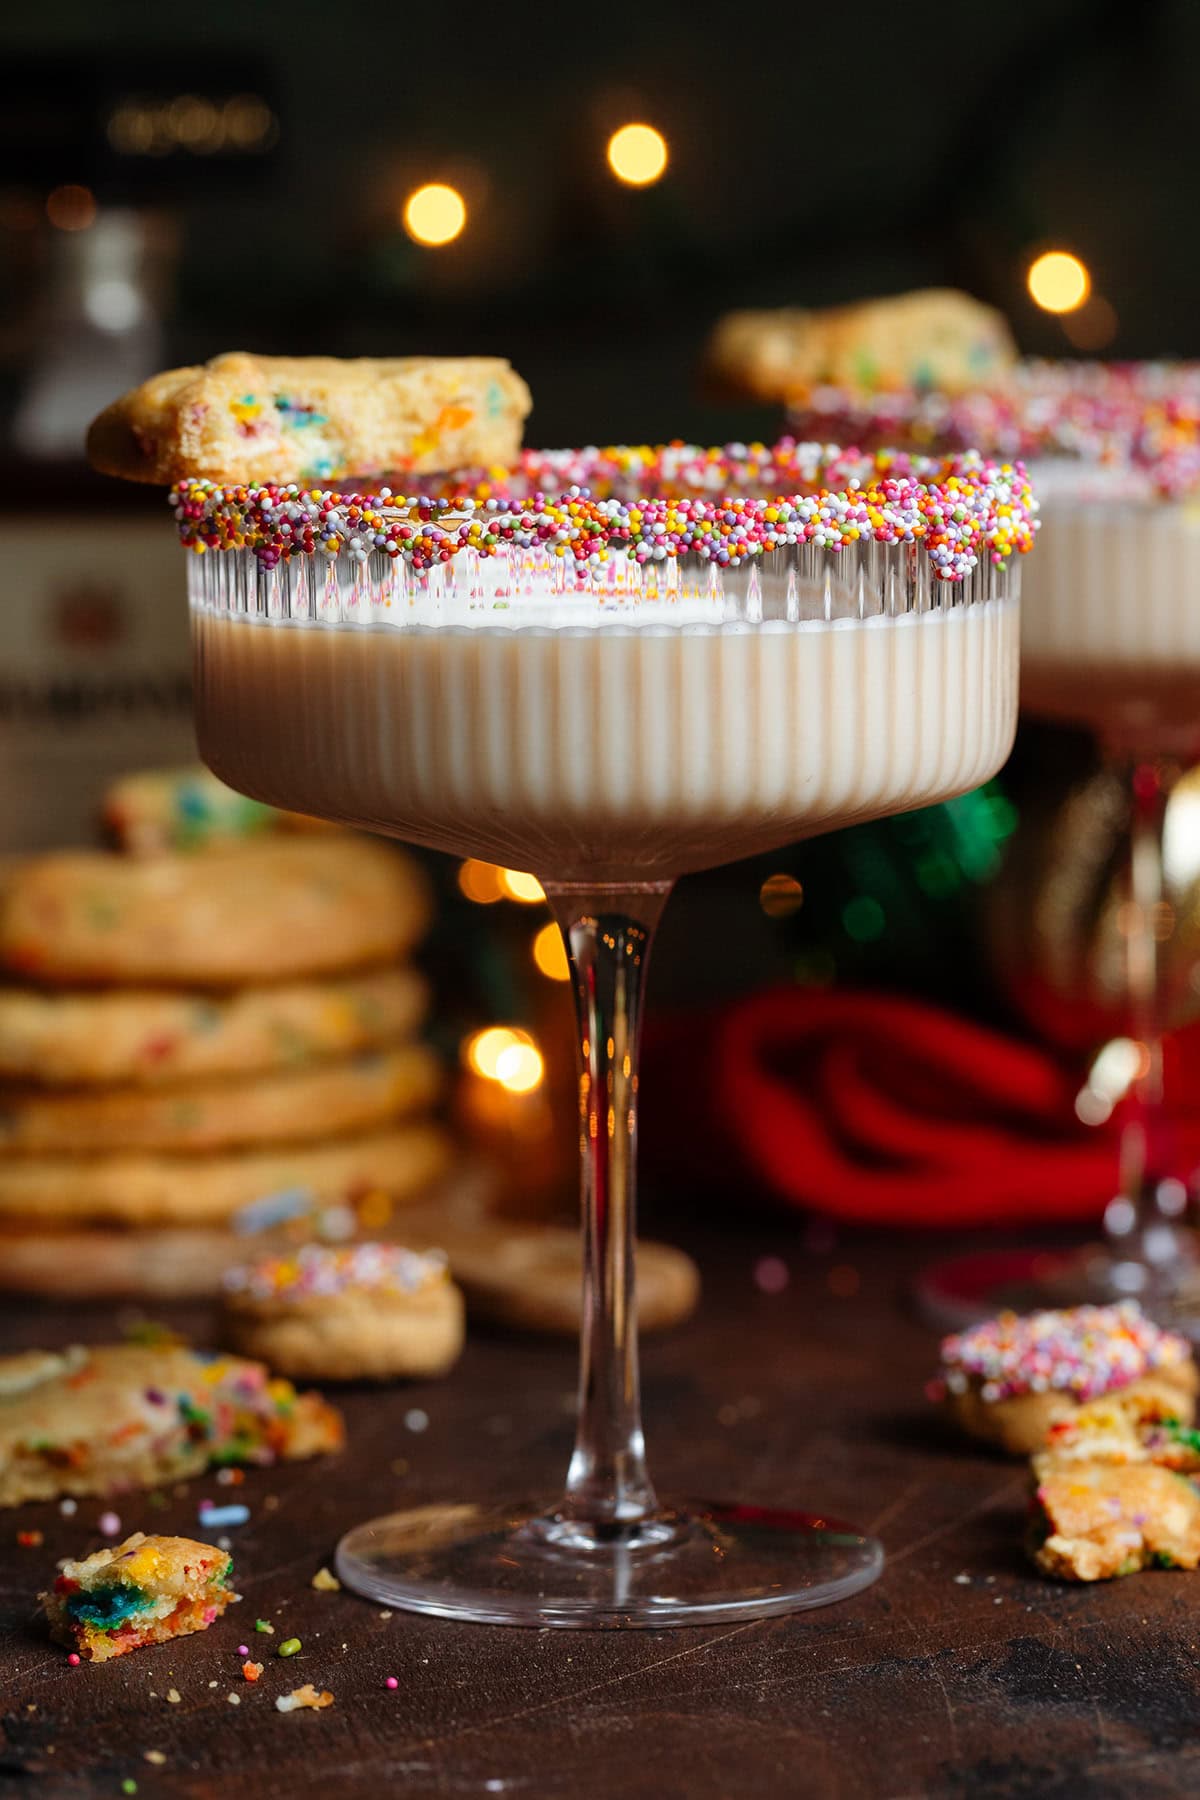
(608, 933)
(1144, 1217)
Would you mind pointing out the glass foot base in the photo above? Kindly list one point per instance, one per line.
(961, 1291)
(525, 1565)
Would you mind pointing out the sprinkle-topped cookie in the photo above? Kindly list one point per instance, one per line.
(1139, 423)
(318, 1271)
(358, 1312)
(1083, 1351)
(650, 504)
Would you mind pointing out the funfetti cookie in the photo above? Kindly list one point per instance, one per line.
(275, 909)
(141, 1189)
(349, 1312)
(309, 419)
(1095, 1520)
(100, 1421)
(932, 338)
(144, 1591)
(147, 1037)
(1010, 1379)
(362, 1093)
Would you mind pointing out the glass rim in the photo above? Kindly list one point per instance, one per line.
(648, 504)
(1139, 421)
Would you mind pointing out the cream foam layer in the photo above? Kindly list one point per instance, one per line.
(1110, 630)
(618, 752)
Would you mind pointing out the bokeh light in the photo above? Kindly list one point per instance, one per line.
(71, 208)
(780, 896)
(435, 214)
(1058, 282)
(515, 884)
(550, 954)
(520, 1068)
(481, 882)
(637, 155)
(1092, 326)
(507, 1055)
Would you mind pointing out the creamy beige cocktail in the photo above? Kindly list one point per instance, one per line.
(610, 751)
(611, 687)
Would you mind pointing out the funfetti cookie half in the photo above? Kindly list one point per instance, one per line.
(1010, 1379)
(309, 419)
(126, 1416)
(144, 1591)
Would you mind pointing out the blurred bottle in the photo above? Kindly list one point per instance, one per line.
(99, 319)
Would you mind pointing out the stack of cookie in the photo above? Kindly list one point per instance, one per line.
(191, 1033)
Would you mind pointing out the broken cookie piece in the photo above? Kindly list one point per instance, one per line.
(144, 1591)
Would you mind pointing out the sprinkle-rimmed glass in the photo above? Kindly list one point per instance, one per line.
(611, 688)
(1110, 639)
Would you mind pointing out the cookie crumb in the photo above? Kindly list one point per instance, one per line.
(303, 1696)
(174, 1696)
(325, 1582)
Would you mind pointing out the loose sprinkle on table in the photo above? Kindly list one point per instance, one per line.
(214, 1518)
(324, 1582)
(109, 1524)
(289, 1647)
(252, 1670)
(73, 1659)
(30, 1540)
(391, 1682)
(261, 1625)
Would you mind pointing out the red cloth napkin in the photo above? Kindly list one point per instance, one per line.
(885, 1110)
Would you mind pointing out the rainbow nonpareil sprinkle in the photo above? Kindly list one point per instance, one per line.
(1140, 420)
(319, 1270)
(1083, 1351)
(722, 506)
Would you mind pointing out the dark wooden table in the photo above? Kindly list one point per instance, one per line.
(960, 1673)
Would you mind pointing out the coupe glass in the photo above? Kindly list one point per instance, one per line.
(608, 699)
(1110, 639)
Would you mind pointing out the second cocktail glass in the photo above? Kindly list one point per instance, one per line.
(653, 671)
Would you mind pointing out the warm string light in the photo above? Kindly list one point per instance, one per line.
(637, 155)
(506, 1055)
(241, 125)
(1058, 282)
(71, 208)
(434, 215)
(550, 955)
(780, 896)
(486, 882)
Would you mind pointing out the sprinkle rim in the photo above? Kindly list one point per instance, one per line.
(724, 506)
(1139, 420)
